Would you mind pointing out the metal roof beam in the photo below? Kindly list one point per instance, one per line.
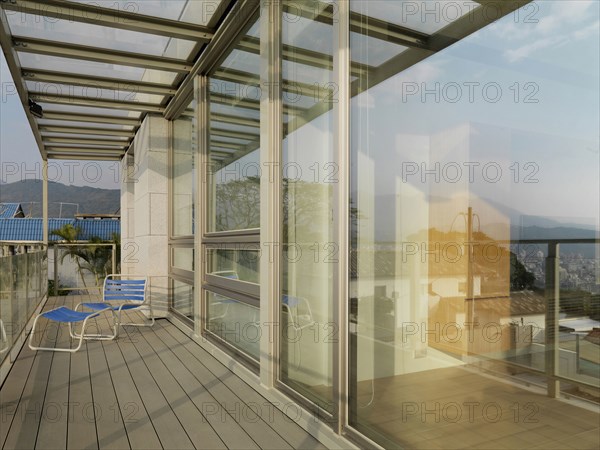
(110, 17)
(233, 134)
(14, 67)
(233, 23)
(92, 118)
(116, 84)
(249, 103)
(304, 56)
(99, 54)
(226, 145)
(295, 87)
(235, 120)
(83, 150)
(111, 143)
(359, 23)
(85, 157)
(95, 102)
(85, 130)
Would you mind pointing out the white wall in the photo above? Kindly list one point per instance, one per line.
(144, 209)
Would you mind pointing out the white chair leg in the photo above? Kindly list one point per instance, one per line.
(73, 335)
(152, 320)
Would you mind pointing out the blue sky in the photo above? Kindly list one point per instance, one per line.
(553, 61)
(19, 154)
(557, 53)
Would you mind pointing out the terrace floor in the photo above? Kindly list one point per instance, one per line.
(151, 388)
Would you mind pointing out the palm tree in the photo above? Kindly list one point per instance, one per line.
(93, 258)
(71, 234)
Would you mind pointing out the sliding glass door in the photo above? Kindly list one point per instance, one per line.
(474, 251)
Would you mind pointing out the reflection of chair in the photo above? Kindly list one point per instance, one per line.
(231, 274)
(3, 339)
(130, 292)
(62, 314)
(220, 300)
(299, 311)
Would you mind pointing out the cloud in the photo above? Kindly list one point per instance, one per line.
(549, 18)
(588, 31)
(564, 22)
(523, 52)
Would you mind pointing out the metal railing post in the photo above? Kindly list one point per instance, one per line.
(114, 258)
(552, 316)
(55, 262)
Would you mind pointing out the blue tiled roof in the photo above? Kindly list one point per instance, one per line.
(31, 229)
(9, 210)
(102, 228)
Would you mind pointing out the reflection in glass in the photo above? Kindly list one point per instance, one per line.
(235, 322)
(234, 172)
(467, 206)
(183, 258)
(183, 298)
(235, 264)
(184, 179)
(309, 177)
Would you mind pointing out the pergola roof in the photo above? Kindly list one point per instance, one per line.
(96, 71)
(97, 68)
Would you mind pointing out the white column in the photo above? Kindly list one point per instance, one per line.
(146, 216)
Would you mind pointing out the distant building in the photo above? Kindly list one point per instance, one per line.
(11, 211)
(30, 230)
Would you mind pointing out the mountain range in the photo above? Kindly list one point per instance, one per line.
(87, 200)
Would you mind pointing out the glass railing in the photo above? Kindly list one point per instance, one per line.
(80, 268)
(561, 337)
(23, 285)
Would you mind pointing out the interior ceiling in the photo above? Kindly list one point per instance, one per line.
(96, 71)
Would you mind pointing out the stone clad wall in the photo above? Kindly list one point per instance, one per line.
(144, 209)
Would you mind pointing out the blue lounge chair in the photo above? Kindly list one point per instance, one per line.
(62, 314)
(122, 293)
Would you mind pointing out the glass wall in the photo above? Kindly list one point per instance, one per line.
(234, 173)
(183, 172)
(309, 174)
(475, 225)
(183, 162)
(473, 243)
(231, 241)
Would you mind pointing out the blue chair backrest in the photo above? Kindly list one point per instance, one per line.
(125, 290)
(290, 300)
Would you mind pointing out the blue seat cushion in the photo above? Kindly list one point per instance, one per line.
(103, 305)
(64, 314)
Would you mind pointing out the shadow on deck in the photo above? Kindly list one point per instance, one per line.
(152, 388)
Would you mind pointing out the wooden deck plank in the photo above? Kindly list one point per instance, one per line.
(25, 424)
(295, 435)
(170, 431)
(52, 432)
(12, 390)
(109, 421)
(145, 390)
(81, 432)
(232, 434)
(199, 431)
(140, 431)
(246, 415)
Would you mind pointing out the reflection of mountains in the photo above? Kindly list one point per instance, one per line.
(522, 226)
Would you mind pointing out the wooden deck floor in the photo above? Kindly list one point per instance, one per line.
(152, 388)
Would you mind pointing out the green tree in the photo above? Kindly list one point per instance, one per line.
(520, 277)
